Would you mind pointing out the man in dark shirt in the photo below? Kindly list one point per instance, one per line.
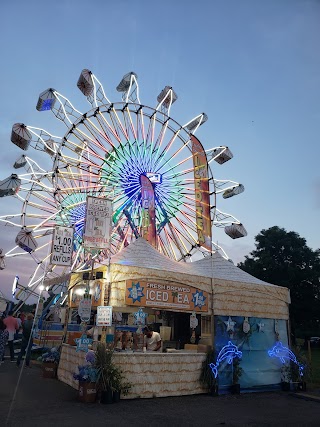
(27, 340)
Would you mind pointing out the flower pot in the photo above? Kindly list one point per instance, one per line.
(302, 386)
(285, 386)
(106, 396)
(235, 389)
(116, 396)
(214, 390)
(49, 369)
(87, 392)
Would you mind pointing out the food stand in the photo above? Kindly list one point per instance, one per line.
(210, 293)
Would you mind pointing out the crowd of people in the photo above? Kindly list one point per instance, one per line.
(10, 326)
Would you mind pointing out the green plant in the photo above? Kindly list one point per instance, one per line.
(286, 374)
(110, 376)
(236, 371)
(207, 378)
(304, 362)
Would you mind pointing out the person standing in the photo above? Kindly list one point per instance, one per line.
(27, 340)
(4, 334)
(153, 339)
(12, 326)
(19, 320)
(22, 317)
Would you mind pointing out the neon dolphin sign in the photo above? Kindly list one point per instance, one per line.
(283, 353)
(228, 352)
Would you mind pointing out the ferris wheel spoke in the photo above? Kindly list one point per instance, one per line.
(170, 245)
(117, 125)
(181, 239)
(176, 169)
(112, 136)
(186, 226)
(153, 147)
(176, 238)
(129, 127)
(162, 246)
(140, 126)
(162, 157)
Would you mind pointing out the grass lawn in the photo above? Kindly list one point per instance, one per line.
(315, 363)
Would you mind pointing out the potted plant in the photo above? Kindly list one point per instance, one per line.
(87, 376)
(50, 360)
(120, 386)
(207, 378)
(300, 371)
(111, 381)
(286, 377)
(236, 374)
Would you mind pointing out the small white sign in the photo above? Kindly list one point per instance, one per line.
(84, 309)
(62, 246)
(104, 315)
(98, 223)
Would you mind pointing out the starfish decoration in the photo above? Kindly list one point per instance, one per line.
(83, 342)
(136, 292)
(198, 299)
(260, 326)
(230, 324)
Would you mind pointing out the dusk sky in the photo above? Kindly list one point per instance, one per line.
(252, 66)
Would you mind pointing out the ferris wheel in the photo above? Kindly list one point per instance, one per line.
(111, 151)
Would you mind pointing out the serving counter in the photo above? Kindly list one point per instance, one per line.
(151, 374)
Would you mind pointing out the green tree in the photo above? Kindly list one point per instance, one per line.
(283, 258)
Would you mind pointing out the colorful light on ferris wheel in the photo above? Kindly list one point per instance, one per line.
(105, 152)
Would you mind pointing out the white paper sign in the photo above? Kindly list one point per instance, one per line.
(84, 309)
(98, 223)
(62, 246)
(104, 316)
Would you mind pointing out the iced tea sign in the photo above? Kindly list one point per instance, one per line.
(165, 295)
(62, 246)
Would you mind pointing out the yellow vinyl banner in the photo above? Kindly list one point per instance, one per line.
(202, 195)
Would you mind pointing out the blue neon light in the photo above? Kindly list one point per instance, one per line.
(228, 352)
(47, 104)
(283, 353)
